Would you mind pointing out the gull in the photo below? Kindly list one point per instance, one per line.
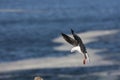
(78, 45)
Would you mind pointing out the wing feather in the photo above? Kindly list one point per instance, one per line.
(79, 40)
(70, 40)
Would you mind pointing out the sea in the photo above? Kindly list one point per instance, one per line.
(28, 27)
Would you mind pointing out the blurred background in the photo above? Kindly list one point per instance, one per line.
(28, 29)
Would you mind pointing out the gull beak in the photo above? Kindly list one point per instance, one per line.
(86, 59)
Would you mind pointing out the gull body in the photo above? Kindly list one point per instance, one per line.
(78, 45)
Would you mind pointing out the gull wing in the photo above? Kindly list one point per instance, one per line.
(70, 40)
(78, 39)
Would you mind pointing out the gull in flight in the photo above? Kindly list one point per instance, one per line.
(78, 45)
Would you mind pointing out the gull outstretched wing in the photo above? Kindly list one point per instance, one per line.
(70, 40)
(79, 41)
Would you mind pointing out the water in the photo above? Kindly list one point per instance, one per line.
(27, 27)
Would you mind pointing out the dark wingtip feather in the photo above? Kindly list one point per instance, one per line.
(62, 34)
(72, 31)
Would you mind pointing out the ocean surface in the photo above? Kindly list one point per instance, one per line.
(27, 28)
